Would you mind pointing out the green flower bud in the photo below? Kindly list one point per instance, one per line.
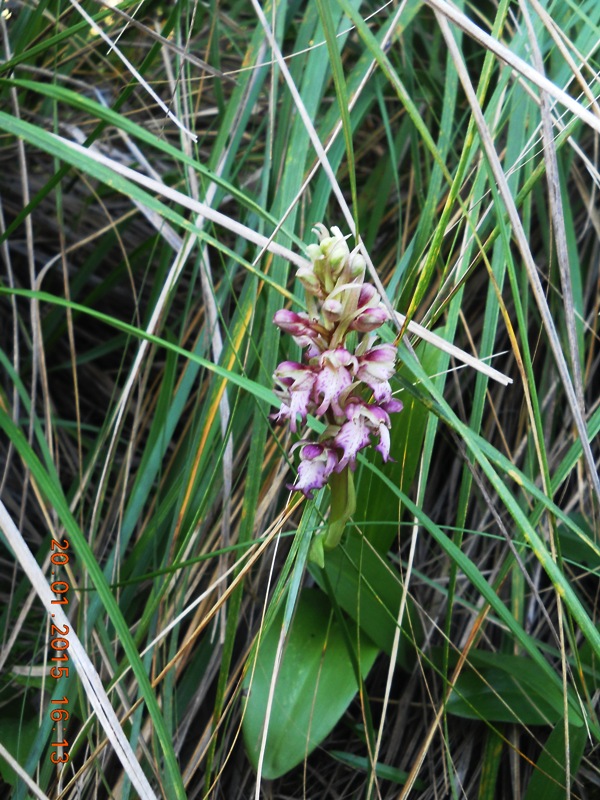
(314, 252)
(332, 309)
(310, 281)
(356, 265)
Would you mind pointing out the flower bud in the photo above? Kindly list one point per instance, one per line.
(314, 252)
(296, 324)
(310, 281)
(337, 252)
(356, 265)
(369, 320)
(368, 296)
(338, 257)
(332, 309)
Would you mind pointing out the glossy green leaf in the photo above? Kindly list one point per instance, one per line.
(315, 685)
(497, 696)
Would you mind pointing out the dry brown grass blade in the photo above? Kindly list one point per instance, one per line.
(560, 234)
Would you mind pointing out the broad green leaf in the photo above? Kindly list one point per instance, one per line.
(368, 588)
(548, 779)
(497, 687)
(315, 685)
(588, 673)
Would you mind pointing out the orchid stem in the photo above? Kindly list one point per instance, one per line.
(343, 505)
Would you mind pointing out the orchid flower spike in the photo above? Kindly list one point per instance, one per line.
(349, 390)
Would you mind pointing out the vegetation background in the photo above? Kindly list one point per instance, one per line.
(162, 165)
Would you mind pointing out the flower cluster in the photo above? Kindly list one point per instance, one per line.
(348, 387)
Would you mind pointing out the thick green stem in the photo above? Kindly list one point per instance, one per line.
(343, 505)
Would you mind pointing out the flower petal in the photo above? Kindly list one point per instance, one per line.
(332, 378)
(316, 465)
(352, 437)
(297, 381)
(392, 406)
(289, 372)
(375, 368)
(384, 442)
